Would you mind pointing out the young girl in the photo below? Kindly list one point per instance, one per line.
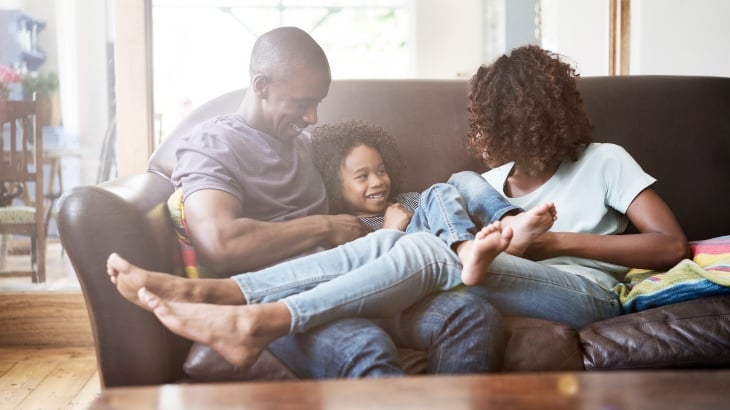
(361, 168)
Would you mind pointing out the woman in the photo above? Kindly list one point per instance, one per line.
(528, 123)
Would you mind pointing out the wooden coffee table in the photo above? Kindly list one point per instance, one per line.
(663, 390)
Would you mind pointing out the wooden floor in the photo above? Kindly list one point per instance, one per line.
(47, 358)
(48, 378)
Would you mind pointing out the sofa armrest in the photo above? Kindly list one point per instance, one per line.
(695, 333)
(132, 347)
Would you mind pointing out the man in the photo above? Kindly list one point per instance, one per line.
(252, 197)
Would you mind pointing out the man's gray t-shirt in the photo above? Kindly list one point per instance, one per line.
(274, 180)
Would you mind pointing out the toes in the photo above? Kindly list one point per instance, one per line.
(117, 262)
(148, 298)
(507, 232)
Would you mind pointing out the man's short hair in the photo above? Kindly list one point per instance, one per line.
(283, 50)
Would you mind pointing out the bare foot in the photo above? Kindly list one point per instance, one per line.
(238, 333)
(129, 278)
(527, 226)
(478, 254)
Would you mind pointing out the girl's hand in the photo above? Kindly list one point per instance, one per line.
(396, 217)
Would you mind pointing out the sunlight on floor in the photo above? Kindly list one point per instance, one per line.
(59, 272)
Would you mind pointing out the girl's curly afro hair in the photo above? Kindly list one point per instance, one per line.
(332, 144)
(526, 108)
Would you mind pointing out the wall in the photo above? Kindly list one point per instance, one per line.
(670, 37)
(676, 37)
(447, 40)
(578, 30)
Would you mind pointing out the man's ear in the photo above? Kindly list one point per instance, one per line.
(260, 85)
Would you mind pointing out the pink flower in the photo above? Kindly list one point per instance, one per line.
(8, 75)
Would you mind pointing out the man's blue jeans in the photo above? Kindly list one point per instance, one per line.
(460, 333)
(345, 348)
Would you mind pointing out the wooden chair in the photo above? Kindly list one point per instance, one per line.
(21, 145)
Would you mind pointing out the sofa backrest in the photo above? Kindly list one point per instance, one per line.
(677, 128)
(427, 118)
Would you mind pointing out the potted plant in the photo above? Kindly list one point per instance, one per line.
(45, 88)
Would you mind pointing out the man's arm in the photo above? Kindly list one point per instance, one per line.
(229, 244)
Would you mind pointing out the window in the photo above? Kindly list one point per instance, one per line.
(201, 48)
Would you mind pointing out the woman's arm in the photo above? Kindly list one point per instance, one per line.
(659, 245)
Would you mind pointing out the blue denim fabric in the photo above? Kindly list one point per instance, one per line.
(460, 332)
(378, 275)
(346, 348)
(521, 287)
(572, 295)
(457, 210)
(387, 271)
(483, 203)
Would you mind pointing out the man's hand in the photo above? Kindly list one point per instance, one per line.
(228, 243)
(397, 217)
(344, 228)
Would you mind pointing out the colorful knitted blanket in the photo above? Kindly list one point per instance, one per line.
(191, 266)
(707, 273)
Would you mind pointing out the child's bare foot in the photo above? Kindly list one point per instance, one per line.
(527, 226)
(478, 254)
(129, 278)
(238, 333)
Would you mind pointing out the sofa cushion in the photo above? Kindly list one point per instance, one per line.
(205, 364)
(695, 333)
(540, 345)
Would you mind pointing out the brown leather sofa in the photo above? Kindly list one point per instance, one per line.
(678, 128)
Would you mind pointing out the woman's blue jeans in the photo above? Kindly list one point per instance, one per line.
(387, 271)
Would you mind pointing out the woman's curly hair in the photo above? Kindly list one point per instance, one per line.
(332, 144)
(526, 108)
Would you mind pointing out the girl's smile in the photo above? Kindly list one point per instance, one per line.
(365, 182)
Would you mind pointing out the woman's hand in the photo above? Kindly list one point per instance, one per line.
(396, 217)
(659, 244)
